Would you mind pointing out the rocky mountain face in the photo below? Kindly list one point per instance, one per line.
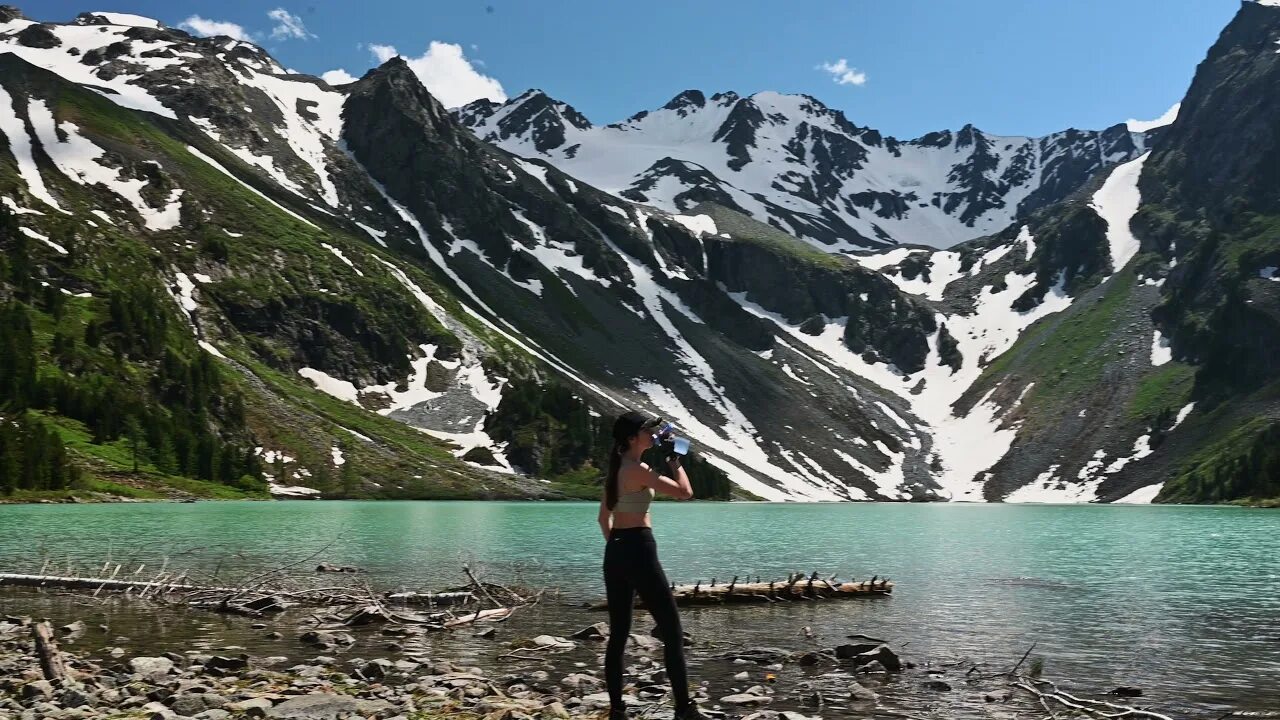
(384, 298)
(795, 164)
(1156, 382)
(1211, 224)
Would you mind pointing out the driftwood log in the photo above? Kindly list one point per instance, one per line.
(92, 583)
(183, 585)
(263, 594)
(490, 615)
(798, 587)
(47, 650)
(440, 599)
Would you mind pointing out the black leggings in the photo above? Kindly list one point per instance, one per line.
(631, 567)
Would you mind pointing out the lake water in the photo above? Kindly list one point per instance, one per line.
(1181, 601)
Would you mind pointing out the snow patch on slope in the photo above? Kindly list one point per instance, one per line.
(1048, 487)
(341, 389)
(338, 253)
(1166, 119)
(20, 145)
(556, 256)
(42, 238)
(966, 445)
(1161, 351)
(304, 136)
(127, 20)
(121, 88)
(1116, 202)
(697, 224)
(1141, 496)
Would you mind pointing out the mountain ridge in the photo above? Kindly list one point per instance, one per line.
(950, 186)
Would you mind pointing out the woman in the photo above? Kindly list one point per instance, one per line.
(631, 564)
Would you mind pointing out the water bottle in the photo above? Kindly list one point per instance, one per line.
(669, 441)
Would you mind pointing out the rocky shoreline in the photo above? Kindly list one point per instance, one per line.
(547, 677)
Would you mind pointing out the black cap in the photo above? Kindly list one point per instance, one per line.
(631, 422)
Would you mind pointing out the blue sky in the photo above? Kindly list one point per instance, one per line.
(909, 66)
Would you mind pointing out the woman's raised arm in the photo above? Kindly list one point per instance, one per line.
(677, 486)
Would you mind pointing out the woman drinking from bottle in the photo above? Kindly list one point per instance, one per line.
(631, 564)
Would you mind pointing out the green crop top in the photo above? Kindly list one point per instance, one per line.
(634, 502)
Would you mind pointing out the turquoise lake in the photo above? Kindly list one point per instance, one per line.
(1181, 601)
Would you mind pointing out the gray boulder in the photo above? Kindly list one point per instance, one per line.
(151, 667)
(599, 631)
(859, 693)
(254, 707)
(41, 689)
(882, 654)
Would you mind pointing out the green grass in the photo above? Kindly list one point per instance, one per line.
(347, 415)
(582, 484)
(748, 230)
(77, 439)
(1257, 236)
(117, 457)
(98, 485)
(1193, 482)
(1067, 356)
(402, 452)
(1168, 387)
(108, 465)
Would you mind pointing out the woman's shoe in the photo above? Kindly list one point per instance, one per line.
(617, 714)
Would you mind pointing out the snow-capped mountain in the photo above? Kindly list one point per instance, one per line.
(791, 162)
(504, 277)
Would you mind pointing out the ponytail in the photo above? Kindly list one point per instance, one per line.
(625, 429)
(611, 480)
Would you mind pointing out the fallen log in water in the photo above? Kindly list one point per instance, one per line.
(92, 583)
(490, 615)
(797, 587)
(367, 608)
(183, 585)
(439, 599)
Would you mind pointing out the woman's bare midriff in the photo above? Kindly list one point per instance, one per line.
(624, 520)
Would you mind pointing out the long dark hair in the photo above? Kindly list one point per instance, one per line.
(624, 428)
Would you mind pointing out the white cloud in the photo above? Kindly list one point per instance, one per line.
(337, 77)
(842, 74)
(447, 73)
(288, 25)
(1166, 119)
(207, 28)
(383, 52)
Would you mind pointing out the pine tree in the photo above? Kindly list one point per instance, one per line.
(10, 455)
(133, 431)
(17, 357)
